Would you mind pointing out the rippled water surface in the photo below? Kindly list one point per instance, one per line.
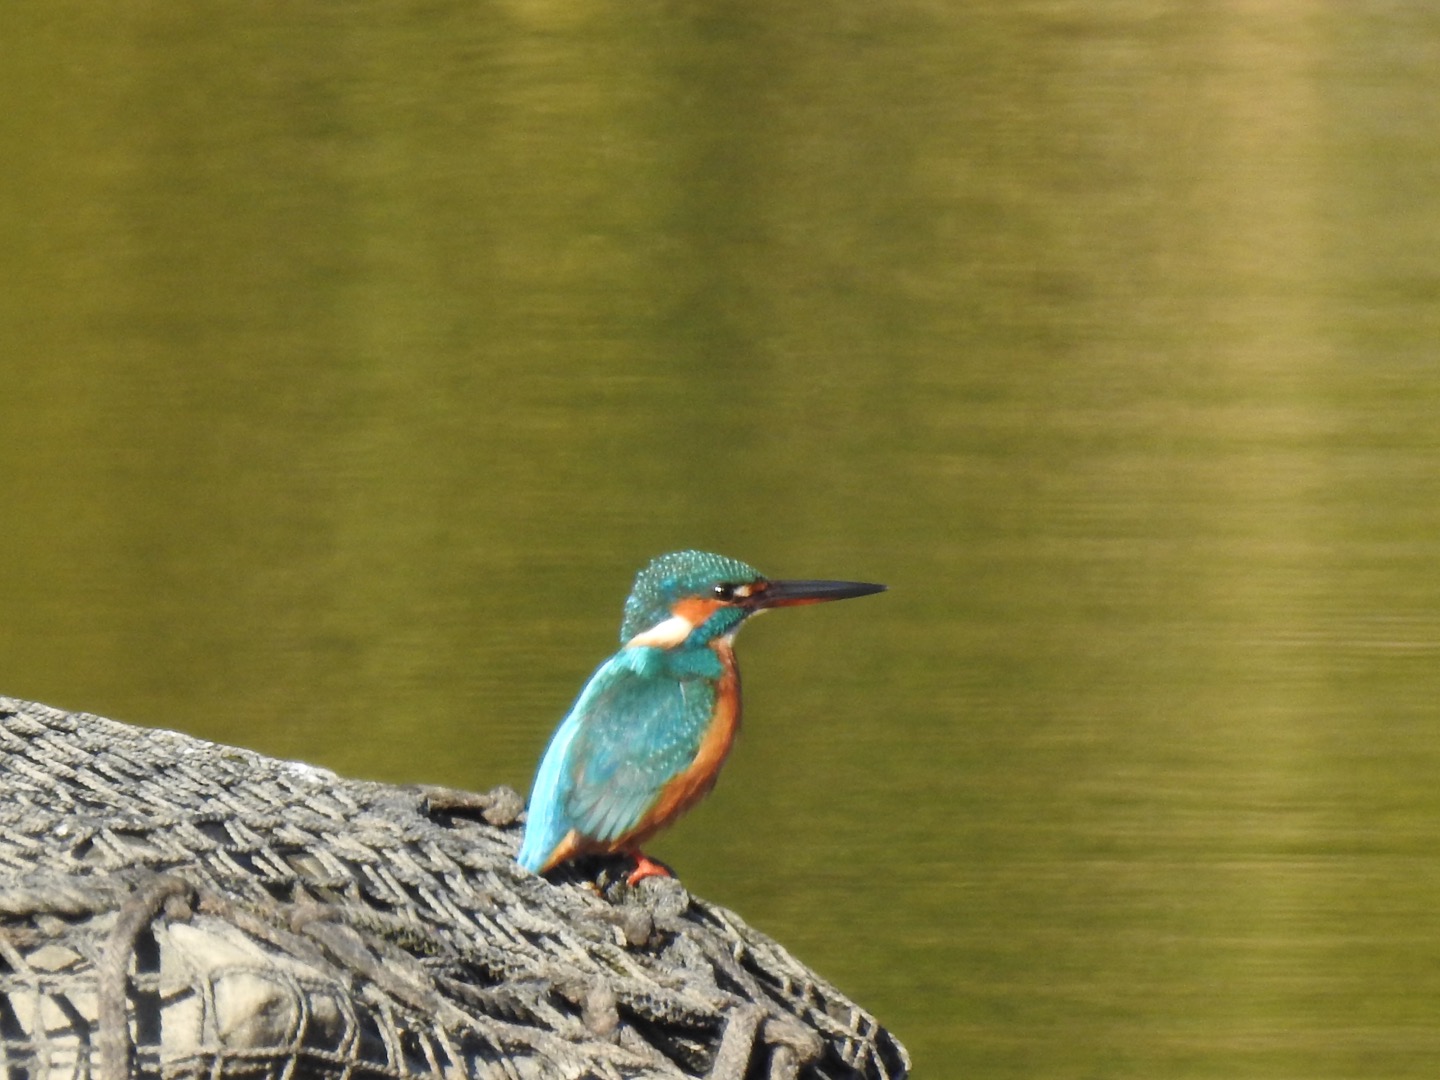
(356, 356)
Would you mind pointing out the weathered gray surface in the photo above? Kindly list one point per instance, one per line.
(171, 907)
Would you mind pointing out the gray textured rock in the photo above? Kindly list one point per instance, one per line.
(172, 907)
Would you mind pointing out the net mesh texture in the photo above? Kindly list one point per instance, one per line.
(175, 908)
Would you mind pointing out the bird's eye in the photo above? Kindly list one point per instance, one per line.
(724, 591)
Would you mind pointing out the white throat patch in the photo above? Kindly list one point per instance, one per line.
(663, 635)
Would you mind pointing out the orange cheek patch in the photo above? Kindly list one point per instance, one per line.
(696, 609)
(685, 616)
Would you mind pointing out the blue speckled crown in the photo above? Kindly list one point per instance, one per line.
(670, 577)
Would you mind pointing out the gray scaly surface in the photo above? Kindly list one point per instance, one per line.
(175, 908)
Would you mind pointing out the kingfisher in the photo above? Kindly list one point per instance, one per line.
(645, 739)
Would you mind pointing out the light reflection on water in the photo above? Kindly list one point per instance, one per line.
(354, 370)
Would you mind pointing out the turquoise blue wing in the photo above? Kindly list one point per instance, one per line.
(638, 723)
(638, 729)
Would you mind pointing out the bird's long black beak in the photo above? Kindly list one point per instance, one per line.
(790, 593)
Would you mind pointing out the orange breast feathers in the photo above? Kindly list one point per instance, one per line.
(692, 785)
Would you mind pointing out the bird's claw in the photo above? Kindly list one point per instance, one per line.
(646, 867)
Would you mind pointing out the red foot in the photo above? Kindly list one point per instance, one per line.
(646, 867)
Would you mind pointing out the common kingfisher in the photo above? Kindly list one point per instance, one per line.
(645, 739)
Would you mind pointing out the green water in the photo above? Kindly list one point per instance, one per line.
(355, 356)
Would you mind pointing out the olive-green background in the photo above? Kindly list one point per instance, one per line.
(353, 357)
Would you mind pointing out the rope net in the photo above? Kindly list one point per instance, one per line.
(174, 908)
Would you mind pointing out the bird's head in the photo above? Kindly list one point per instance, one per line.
(694, 597)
